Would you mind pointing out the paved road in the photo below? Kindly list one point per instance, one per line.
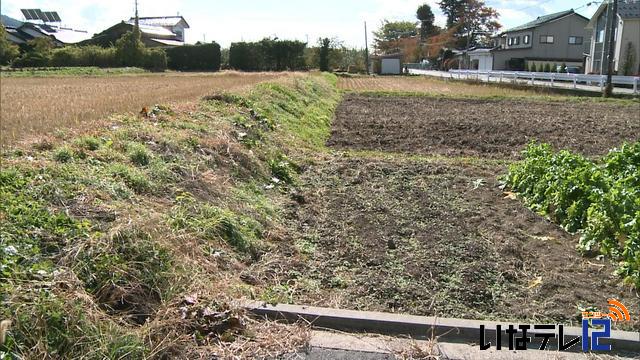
(540, 83)
(325, 345)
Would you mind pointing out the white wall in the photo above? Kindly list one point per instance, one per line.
(485, 61)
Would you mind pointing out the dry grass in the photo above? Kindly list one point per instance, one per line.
(425, 85)
(37, 106)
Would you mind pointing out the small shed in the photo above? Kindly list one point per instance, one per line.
(391, 64)
(481, 59)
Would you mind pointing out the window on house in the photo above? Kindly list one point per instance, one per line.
(575, 40)
(546, 39)
(526, 39)
(510, 41)
(600, 36)
(517, 40)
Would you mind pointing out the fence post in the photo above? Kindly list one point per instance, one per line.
(635, 85)
(601, 82)
(553, 77)
(533, 79)
(575, 81)
(501, 75)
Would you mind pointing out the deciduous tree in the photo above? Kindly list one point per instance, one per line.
(386, 38)
(473, 19)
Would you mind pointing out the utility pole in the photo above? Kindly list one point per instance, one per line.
(137, 21)
(366, 46)
(608, 90)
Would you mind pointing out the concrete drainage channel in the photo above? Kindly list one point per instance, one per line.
(456, 338)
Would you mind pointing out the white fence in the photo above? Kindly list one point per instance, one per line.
(576, 79)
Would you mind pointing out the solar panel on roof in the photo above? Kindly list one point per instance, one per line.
(56, 17)
(40, 15)
(29, 14)
(49, 16)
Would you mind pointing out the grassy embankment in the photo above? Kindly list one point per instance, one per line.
(105, 237)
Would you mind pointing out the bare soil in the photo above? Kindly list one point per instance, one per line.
(435, 235)
(437, 238)
(478, 127)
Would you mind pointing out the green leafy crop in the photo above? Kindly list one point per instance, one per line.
(600, 199)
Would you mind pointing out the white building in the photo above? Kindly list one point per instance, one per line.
(175, 24)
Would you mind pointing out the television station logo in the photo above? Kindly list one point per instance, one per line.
(595, 327)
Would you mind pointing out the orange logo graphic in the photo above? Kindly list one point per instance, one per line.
(618, 312)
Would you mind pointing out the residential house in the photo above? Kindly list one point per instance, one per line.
(21, 32)
(626, 59)
(559, 38)
(175, 24)
(160, 32)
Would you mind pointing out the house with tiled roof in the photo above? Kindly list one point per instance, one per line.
(626, 59)
(20, 32)
(175, 24)
(558, 38)
(163, 32)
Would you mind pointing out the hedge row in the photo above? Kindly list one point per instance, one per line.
(267, 55)
(195, 57)
(70, 56)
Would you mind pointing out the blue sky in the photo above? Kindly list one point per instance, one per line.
(226, 21)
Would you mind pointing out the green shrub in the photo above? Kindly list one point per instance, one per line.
(72, 56)
(88, 143)
(63, 154)
(8, 50)
(130, 49)
(138, 154)
(598, 199)
(283, 169)
(39, 53)
(205, 57)
(546, 68)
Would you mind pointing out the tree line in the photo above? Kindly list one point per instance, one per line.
(469, 23)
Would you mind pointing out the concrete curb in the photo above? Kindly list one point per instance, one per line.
(420, 327)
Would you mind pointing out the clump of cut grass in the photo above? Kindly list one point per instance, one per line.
(128, 273)
(209, 222)
(132, 177)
